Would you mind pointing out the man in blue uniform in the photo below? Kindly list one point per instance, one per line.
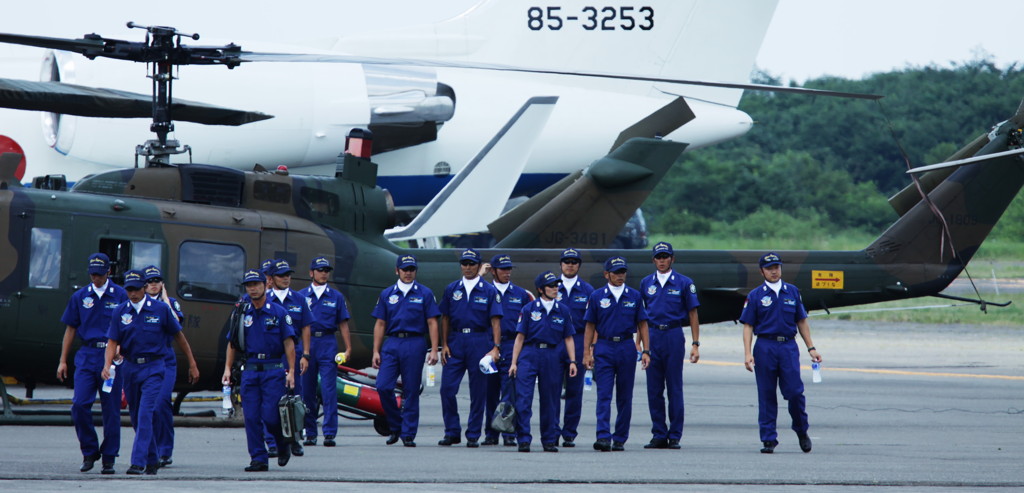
(330, 315)
(404, 313)
(671, 302)
(774, 312)
(144, 327)
(614, 313)
(281, 293)
(88, 315)
(573, 293)
(470, 329)
(545, 326)
(513, 298)
(268, 335)
(163, 421)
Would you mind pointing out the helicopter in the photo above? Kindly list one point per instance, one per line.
(204, 224)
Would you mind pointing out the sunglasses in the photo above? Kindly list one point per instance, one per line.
(411, 269)
(132, 288)
(468, 262)
(154, 281)
(662, 256)
(571, 261)
(323, 269)
(552, 285)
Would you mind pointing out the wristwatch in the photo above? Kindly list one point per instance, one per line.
(696, 343)
(647, 352)
(306, 356)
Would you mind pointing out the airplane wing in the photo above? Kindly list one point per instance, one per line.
(476, 195)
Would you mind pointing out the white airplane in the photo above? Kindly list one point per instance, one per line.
(433, 120)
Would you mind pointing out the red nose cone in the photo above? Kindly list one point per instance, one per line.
(8, 144)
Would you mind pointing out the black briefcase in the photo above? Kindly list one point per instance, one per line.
(293, 413)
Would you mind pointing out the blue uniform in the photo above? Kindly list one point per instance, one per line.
(615, 356)
(470, 338)
(577, 303)
(403, 352)
(144, 336)
(90, 315)
(668, 307)
(263, 376)
(328, 311)
(301, 316)
(540, 360)
(512, 301)
(163, 421)
(776, 355)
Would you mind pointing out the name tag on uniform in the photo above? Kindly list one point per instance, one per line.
(629, 304)
(515, 300)
(674, 292)
(580, 298)
(112, 304)
(294, 308)
(152, 319)
(416, 299)
(270, 322)
(330, 304)
(558, 320)
(480, 299)
(789, 302)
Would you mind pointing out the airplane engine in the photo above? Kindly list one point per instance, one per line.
(407, 105)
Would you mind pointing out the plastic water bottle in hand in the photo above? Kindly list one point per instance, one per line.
(431, 376)
(108, 384)
(588, 380)
(226, 402)
(815, 372)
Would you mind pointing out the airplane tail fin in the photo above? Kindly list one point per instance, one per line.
(930, 244)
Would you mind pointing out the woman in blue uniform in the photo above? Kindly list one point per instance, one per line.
(163, 422)
(545, 326)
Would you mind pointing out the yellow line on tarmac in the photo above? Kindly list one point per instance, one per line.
(888, 372)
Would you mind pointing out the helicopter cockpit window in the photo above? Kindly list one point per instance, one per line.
(210, 271)
(44, 262)
(272, 191)
(145, 254)
(321, 201)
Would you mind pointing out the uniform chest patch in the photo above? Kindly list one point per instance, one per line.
(393, 299)
(674, 292)
(152, 319)
(248, 321)
(295, 308)
(270, 322)
(330, 304)
(766, 301)
(126, 319)
(605, 302)
(111, 305)
(652, 289)
(789, 302)
(88, 302)
(535, 316)
(416, 299)
(514, 301)
(629, 304)
(580, 299)
(457, 295)
(480, 299)
(557, 320)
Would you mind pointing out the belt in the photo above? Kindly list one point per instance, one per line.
(263, 366)
(403, 335)
(468, 330)
(100, 345)
(543, 345)
(616, 338)
(141, 360)
(776, 338)
(263, 355)
(666, 327)
(320, 333)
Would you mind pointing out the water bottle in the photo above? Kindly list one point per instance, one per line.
(815, 372)
(588, 380)
(226, 402)
(108, 384)
(340, 358)
(431, 376)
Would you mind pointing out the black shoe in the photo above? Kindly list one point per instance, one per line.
(271, 452)
(805, 442)
(568, 443)
(524, 447)
(393, 439)
(297, 449)
(255, 466)
(284, 456)
(618, 446)
(509, 442)
(108, 468)
(136, 470)
(408, 442)
(657, 443)
(88, 461)
(769, 447)
(673, 443)
(550, 447)
(490, 441)
(151, 469)
(603, 445)
(472, 443)
(448, 441)
(165, 461)
(329, 441)
(310, 442)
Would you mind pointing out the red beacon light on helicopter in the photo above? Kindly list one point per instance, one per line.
(359, 143)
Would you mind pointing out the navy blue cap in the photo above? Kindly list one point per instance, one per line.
(662, 247)
(470, 254)
(404, 261)
(501, 261)
(267, 266)
(546, 279)
(571, 253)
(133, 279)
(615, 264)
(152, 272)
(253, 275)
(769, 259)
(281, 268)
(320, 263)
(99, 263)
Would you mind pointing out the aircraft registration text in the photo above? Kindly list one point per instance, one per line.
(591, 18)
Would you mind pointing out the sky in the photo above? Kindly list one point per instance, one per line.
(852, 39)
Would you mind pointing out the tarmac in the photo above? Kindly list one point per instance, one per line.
(907, 406)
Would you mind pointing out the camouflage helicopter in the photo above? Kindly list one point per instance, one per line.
(204, 224)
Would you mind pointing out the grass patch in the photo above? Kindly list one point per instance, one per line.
(930, 310)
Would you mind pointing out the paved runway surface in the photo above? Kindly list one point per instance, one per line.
(901, 405)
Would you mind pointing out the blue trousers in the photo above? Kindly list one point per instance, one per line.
(321, 365)
(466, 351)
(497, 388)
(163, 421)
(543, 366)
(777, 364)
(401, 357)
(261, 390)
(142, 387)
(573, 390)
(614, 369)
(88, 381)
(668, 350)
